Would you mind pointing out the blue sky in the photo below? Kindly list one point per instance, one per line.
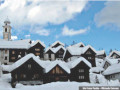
(92, 22)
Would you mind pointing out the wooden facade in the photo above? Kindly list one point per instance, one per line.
(90, 56)
(29, 71)
(37, 50)
(55, 55)
(56, 74)
(80, 73)
(59, 54)
(15, 54)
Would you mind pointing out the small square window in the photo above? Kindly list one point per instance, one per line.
(13, 52)
(29, 66)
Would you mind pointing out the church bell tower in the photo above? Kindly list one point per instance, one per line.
(7, 30)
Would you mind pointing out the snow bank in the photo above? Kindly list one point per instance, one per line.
(5, 85)
(100, 77)
(99, 62)
(96, 69)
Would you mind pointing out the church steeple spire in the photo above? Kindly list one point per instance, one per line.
(7, 30)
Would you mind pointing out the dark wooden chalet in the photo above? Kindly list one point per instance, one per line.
(37, 48)
(56, 72)
(80, 70)
(90, 56)
(27, 70)
(87, 52)
(55, 53)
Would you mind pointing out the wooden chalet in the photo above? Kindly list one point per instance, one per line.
(56, 71)
(55, 53)
(27, 70)
(79, 70)
(87, 52)
(37, 48)
(109, 61)
(112, 72)
(11, 51)
(31, 70)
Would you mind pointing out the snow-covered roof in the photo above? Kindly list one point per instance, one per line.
(62, 44)
(47, 65)
(117, 52)
(115, 68)
(101, 52)
(22, 61)
(111, 61)
(54, 50)
(99, 62)
(62, 64)
(18, 44)
(37, 41)
(79, 50)
(96, 69)
(75, 62)
(78, 44)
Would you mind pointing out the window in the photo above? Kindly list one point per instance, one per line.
(12, 58)
(81, 70)
(5, 51)
(23, 76)
(81, 77)
(57, 70)
(89, 57)
(20, 52)
(29, 66)
(13, 52)
(5, 29)
(36, 76)
(60, 55)
(37, 54)
(19, 56)
(37, 49)
(5, 57)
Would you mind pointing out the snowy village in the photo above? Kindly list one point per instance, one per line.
(36, 51)
(31, 63)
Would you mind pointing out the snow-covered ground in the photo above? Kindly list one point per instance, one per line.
(5, 85)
